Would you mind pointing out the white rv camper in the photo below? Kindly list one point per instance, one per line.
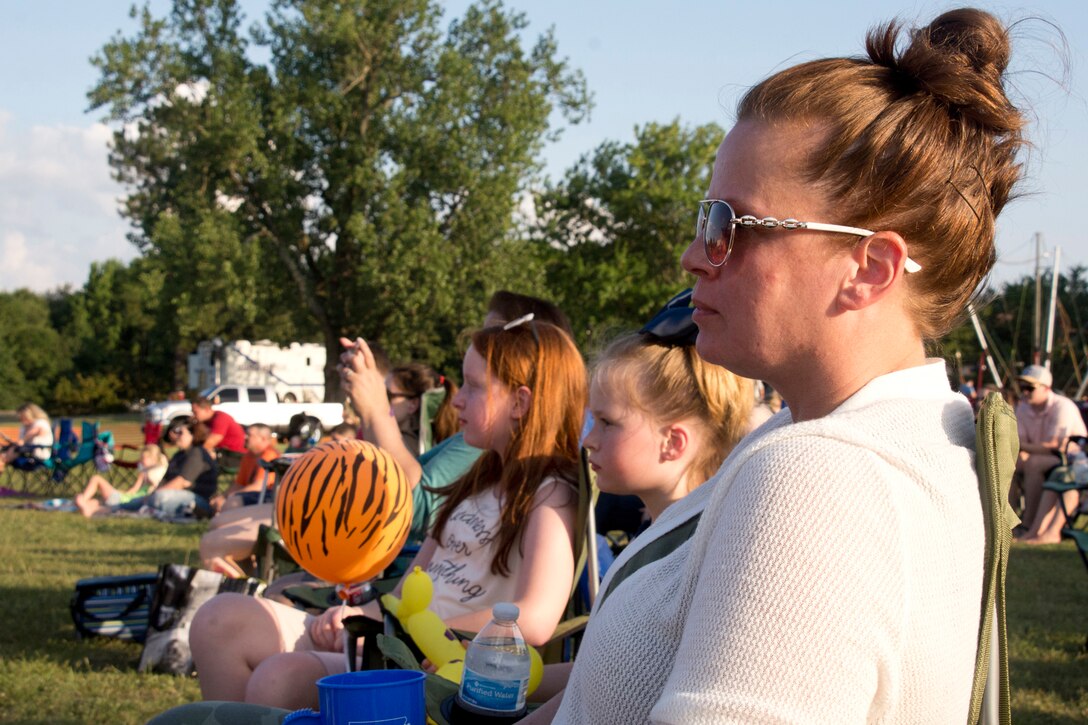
(296, 372)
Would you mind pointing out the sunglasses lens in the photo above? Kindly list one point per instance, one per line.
(716, 233)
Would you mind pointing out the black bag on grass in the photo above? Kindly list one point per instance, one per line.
(113, 606)
(181, 590)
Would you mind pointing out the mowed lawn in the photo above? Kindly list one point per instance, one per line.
(47, 676)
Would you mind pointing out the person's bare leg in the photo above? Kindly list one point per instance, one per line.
(97, 484)
(233, 503)
(289, 680)
(230, 636)
(88, 506)
(1035, 470)
(261, 512)
(238, 541)
(1047, 528)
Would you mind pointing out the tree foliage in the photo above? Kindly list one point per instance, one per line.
(616, 225)
(1007, 318)
(362, 181)
(31, 350)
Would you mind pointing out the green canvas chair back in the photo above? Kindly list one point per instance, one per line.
(428, 408)
(996, 447)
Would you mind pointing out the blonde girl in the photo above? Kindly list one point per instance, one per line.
(35, 436)
(152, 468)
(503, 533)
(663, 421)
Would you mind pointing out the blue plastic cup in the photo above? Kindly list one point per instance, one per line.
(375, 697)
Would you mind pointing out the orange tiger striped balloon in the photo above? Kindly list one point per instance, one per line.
(344, 510)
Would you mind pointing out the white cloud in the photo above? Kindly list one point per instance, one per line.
(27, 269)
(58, 204)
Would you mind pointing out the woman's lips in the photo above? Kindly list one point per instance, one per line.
(701, 313)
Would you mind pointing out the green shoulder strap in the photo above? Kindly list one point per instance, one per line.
(996, 447)
(653, 551)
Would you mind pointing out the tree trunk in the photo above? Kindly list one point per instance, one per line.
(333, 392)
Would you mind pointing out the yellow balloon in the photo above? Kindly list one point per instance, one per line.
(536, 669)
(416, 594)
(391, 604)
(435, 641)
(452, 671)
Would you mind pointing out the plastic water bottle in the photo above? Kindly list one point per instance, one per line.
(496, 675)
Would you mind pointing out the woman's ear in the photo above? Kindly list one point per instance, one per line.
(676, 439)
(878, 260)
(523, 401)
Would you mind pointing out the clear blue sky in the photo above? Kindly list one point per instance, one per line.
(644, 61)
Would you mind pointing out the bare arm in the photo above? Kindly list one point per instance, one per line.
(546, 572)
(326, 630)
(366, 387)
(140, 481)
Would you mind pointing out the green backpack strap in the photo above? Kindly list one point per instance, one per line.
(656, 549)
(996, 447)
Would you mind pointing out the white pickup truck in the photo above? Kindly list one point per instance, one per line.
(248, 404)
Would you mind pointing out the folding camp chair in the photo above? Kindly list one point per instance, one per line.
(29, 474)
(996, 447)
(35, 466)
(1061, 481)
(429, 404)
(126, 464)
(86, 450)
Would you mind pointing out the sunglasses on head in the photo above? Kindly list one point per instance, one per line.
(718, 224)
(672, 325)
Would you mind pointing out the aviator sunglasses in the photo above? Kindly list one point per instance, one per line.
(718, 224)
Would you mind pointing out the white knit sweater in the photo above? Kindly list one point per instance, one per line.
(835, 577)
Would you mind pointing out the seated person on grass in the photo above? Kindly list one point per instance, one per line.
(225, 435)
(190, 479)
(152, 468)
(35, 439)
(252, 478)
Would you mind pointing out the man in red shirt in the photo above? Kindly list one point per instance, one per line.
(247, 485)
(224, 433)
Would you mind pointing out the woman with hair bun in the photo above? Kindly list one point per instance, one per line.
(835, 575)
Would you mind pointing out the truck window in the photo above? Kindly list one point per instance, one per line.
(257, 395)
(228, 395)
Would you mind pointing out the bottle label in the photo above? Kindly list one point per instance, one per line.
(498, 695)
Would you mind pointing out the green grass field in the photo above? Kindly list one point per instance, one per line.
(47, 676)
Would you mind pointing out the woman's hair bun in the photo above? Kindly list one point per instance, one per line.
(959, 59)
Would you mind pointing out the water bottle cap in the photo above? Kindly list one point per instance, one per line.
(505, 612)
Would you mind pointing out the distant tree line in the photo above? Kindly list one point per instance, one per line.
(369, 177)
(1007, 317)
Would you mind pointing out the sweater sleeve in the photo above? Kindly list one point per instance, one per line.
(799, 592)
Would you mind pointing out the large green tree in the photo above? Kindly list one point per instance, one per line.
(615, 226)
(32, 353)
(361, 180)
